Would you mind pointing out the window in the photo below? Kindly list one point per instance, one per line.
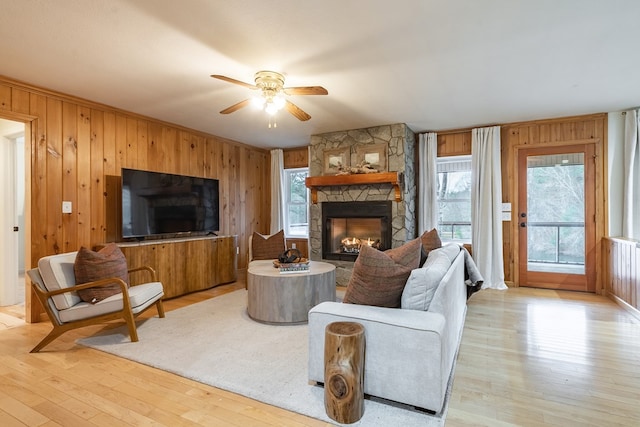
(454, 198)
(296, 212)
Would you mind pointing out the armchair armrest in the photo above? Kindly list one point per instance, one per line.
(154, 277)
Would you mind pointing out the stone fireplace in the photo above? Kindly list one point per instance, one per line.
(400, 143)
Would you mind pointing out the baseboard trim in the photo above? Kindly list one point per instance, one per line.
(622, 303)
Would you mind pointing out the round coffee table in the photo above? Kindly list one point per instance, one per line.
(277, 298)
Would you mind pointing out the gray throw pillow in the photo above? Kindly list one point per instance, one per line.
(423, 282)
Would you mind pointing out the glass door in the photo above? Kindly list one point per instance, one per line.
(556, 217)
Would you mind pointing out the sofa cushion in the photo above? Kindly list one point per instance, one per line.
(267, 247)
(430, 241)
(423, 281)
(90, 266)
(378, 278)
(451, 250)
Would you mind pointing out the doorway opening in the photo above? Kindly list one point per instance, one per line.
(12, 219)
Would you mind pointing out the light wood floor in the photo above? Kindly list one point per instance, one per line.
(528, 358)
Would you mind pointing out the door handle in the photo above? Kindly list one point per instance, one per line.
(16, 229)
(523, 224)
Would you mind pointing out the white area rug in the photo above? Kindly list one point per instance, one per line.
(216, 343)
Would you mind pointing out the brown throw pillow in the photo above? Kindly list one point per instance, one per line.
(378, 278)
(267, 248)
(430, 241)
(91, 266)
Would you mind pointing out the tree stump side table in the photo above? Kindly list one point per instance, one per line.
(344, 371)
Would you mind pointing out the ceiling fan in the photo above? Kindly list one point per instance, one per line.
(272, 94)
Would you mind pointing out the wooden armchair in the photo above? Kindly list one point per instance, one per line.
(54, 284)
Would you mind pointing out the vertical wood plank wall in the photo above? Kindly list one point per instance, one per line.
(621, 272)
(553, 132)
(76, 146)
(296, 157)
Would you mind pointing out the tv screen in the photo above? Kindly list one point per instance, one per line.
(163, 204)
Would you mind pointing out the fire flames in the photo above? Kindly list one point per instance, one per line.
(353, 244)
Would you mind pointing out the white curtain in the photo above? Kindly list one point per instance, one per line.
(486, 206)
(427, 182)
(277, 191)
(631, 198)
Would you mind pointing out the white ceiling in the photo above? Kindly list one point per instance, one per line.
(432, 64)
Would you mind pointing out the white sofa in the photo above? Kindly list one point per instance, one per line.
(409, 354)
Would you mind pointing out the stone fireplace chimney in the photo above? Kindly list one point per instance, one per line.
(400, 143)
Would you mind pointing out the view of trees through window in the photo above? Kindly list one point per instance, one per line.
(555, 205)
(296, 211)
(555, 209)
(454, 198)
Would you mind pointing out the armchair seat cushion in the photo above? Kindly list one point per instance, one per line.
(141, 296)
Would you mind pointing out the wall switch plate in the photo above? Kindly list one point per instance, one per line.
(66, 207)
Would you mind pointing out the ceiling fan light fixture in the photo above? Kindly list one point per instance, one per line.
(271, 108)
(273, 104)
(258, 102)
(279, 101)
(271, 94)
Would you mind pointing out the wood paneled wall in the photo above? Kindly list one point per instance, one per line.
(621, 272)
(457, 143)
(296, 157)
(590, 129)
(74, 146)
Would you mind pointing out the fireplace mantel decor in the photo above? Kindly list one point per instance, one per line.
(393, 178)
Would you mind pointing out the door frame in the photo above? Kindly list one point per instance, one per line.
(33, 311)
(588, 281)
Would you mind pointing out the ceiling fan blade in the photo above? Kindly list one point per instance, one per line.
(306, 90)
(234, 81)
(236, 107)
(297, 111)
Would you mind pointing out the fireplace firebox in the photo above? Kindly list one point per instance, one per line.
(347, 226)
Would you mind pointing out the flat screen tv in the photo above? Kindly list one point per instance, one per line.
(158, 204)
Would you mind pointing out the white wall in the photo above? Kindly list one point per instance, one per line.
(615, 166)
